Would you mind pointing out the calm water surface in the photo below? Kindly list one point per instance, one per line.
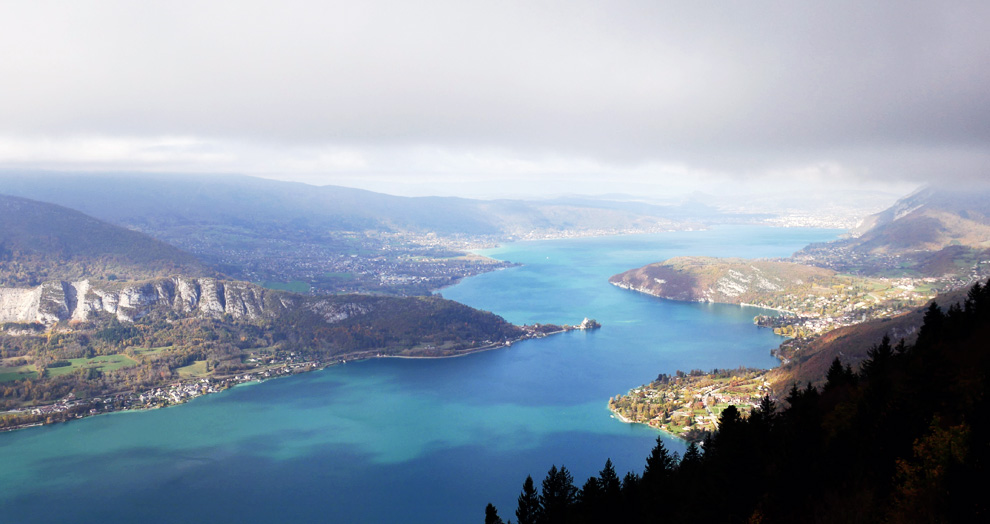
(410, 440)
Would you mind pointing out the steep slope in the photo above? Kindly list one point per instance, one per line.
(41, 241)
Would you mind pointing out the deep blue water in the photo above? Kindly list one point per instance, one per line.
(410, 440)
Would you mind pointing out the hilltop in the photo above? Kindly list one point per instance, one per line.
(41, 241)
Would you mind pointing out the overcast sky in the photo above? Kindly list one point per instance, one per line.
(503, 98)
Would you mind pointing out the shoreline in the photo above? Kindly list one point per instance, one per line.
(625, 420)
(178, 392)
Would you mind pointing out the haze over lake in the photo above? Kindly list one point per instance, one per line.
(411, 440)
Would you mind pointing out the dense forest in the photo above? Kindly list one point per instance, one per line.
(903, 439)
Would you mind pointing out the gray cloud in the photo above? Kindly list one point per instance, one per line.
(883, 90)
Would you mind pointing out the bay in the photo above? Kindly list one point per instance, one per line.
(412, 441)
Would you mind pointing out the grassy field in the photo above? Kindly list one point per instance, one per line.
(103, 363)
(147, 352)
(296, 286)
(195, 370)
(8, 374)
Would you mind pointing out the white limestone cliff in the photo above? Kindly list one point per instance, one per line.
(54, 301)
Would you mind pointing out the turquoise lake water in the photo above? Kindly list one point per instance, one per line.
(410, 441)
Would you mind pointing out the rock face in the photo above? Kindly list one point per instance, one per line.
(730, 281)
(204, 297)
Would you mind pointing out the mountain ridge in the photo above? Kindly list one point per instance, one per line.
(41, 241)
(928, 220)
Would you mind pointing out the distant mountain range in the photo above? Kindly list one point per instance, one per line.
(336, 239)
(165, 202)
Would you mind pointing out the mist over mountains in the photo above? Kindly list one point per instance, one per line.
(169, 201)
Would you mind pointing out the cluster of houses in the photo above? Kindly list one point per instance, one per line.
(707, 398)
(175, 393)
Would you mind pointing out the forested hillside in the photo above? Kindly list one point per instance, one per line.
(40, 241)
(103, 355)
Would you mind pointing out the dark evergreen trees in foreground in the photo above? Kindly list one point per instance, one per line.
(903, 440)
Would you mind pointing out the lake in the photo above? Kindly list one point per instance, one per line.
(411, 441)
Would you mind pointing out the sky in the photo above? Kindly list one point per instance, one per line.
(504, 98)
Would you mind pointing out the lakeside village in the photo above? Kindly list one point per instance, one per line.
(176, 392)
(688, 405)
(853, 303)
(181, 391)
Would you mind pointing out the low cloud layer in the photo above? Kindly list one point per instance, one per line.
(381, 93)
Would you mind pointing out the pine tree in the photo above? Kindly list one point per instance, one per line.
(729, 419)
(600, 499)
(591, 500)
(529, 510)
(931, 328)
(658, 465)
(878, 358)
(656, 479)
(558, 495)
(631, 499)
(609, 483)
(491, 515)
(691, 458)
(835, 375)
(765, 415)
